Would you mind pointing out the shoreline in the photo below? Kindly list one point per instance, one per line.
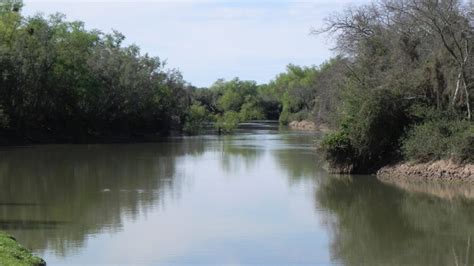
(440, 170)
(308, 125)
(443, 178)
(13, 253)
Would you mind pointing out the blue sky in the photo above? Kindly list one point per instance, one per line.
(211, 39)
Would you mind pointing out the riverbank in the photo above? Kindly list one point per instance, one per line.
(12, 253)
(441, 170)
(443, 179)
(308, 125)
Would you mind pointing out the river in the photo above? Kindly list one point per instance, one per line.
(260, 196)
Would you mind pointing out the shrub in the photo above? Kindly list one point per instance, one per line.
(300, 116)
(251, 111)
(284, 117)
(227, 122)
(196, 119)
(370, 132)
(440, 139)
(339, 151)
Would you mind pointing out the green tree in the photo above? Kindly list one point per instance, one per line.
(414, 60)
(60, 80)
(196, 119)
(227, 122)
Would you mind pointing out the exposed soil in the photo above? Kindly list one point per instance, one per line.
(442, 170)
(308, 125)
(444, 178)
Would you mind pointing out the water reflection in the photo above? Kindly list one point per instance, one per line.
(294, 164)
(239, 152)
(260, 196)
(52, 197)
(442, 189)
(375, 224)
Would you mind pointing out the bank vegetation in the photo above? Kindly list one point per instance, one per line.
(400, 87)
(409, 92)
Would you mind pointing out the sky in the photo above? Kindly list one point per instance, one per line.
(210, 39)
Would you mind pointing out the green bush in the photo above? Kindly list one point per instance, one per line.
(284, 117)
(339, 151)
(300, 116)
(251, 111)
(288, 107)
(287, 117)
(196, 119)
(370, 132)
(440, 139)
(227, 122)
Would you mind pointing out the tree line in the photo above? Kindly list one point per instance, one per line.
(60, 81)
(400, 87)
(299, 93)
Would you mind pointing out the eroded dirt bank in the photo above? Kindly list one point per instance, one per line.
(302, 125)
(308, 125)
(443, 178)
(443, 170)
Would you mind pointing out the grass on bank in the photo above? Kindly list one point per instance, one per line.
(13, 254)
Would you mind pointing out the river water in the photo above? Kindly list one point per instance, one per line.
(260, 196)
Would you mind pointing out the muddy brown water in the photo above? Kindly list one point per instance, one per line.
(260, 196)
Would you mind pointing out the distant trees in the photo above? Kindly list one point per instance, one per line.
(402, 64)
(301, 93)
(232, 102)
(295, 89)
(197, 118)
(309, 93)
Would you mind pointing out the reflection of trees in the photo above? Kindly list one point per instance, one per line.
(54, 196)
(297, 157)
(299, 164)
(441, 188)
(377, 224)
(238, 152)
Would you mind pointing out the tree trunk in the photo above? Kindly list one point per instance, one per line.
(458, 83)
(468, 105)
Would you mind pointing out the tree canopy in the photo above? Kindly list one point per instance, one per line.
(57, 78)
(410, 68)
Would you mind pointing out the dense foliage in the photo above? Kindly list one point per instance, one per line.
(369, 135)
(309, 93)
(440, 139)
(300, 93)
(400, 88)
(62, 82)
(235, 101)
(59, 79)
(408, 60)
